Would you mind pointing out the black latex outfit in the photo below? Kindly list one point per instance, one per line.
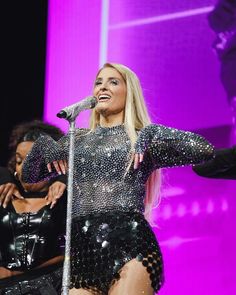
(27, 241)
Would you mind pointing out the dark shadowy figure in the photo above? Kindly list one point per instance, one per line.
(222, 166)
(222, 20)
(32, 234)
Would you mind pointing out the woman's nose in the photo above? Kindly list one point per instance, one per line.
(103, 87)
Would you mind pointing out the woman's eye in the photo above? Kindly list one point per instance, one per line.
(97, 83)
(18, 161)
(114, 82)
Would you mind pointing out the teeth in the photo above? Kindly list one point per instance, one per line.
(104, 96)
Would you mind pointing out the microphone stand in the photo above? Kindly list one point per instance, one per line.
(71, 115)
(66, 266)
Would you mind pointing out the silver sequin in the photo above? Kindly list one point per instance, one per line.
(101, 160)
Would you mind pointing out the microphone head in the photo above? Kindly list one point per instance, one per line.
(62, 114)
(88, 102)
(72, 111)
(93, 101)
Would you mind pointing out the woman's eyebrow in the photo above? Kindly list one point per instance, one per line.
(18, 155)
(109, 78)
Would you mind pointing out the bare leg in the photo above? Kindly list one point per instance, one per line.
(134, 280)
(80, 292)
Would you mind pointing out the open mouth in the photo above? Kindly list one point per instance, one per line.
(103, 97)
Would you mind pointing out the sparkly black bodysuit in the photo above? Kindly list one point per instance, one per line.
(109, 228)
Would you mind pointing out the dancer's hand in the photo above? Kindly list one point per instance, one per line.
(7, 192)
(55, 191)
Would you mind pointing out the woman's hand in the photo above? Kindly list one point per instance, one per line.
(60, 166)
(7, 192)
(55, 191)
(138, 158)
(143, 140)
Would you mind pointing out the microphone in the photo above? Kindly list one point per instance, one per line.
(72, 111)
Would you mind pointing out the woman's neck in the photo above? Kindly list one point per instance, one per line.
(112, 120)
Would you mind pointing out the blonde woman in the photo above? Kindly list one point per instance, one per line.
(116, 182)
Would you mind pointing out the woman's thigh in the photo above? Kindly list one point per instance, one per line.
(134, 280)
(84, 292)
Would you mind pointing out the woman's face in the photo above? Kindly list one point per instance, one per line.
(110, 91)
(22, 150)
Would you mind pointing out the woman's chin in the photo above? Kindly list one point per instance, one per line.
(33, 187)
(102, 108)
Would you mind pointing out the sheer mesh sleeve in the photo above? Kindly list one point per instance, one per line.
(46, 150)
(168, 147)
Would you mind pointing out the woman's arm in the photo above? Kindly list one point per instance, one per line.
(48, 158)
(44, 151)
(162, 146)
(222, 166)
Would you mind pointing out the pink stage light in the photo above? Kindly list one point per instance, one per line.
(173, 191)
(195, 208)
(210, 207)
(224, 205)
(167, 212)
(161, 18)
(177, 241)
(181, 211)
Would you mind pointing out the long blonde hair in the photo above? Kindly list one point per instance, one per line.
(135, 118)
